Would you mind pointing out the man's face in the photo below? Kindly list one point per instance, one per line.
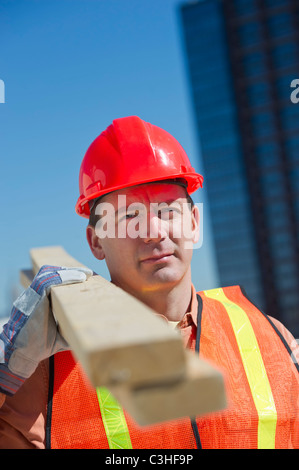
(145, 234)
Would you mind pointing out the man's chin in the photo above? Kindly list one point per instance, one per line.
(162, 278)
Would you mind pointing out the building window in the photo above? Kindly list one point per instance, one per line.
(290, 117)
(245, 7)
(250, 34)
(285, 55)
(276, 3)
(292, 147)
(259, 93)
(254, 64)
(263, 124)
(280, 25)
(268, 154)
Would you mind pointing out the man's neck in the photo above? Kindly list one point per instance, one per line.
(172, 302)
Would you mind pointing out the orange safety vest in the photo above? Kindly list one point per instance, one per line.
(261, 378)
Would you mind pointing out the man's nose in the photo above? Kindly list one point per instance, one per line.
(156, 229)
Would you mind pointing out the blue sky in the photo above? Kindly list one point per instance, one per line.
(70, 67)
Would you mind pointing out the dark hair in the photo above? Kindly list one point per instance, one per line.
(93, 217)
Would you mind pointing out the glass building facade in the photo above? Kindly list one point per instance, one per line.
(242, 57)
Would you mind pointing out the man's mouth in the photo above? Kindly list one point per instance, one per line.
(160, 258)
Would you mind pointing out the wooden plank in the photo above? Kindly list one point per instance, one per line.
(109, 329)
(53, 255)
(125, 346)
(200, 392)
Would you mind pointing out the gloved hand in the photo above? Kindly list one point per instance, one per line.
(31, 333)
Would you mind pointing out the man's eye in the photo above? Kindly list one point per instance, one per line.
(131, 215)
(168, 212)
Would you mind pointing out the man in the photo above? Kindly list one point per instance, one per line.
(135, 185)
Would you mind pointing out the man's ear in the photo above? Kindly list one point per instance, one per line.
(94, 243)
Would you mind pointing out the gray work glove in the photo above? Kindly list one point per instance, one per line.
(31, 333)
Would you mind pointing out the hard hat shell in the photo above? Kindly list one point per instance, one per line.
(128, 153)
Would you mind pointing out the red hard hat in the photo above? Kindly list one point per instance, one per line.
(131, 152)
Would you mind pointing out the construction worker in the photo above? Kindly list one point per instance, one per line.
(141, 177)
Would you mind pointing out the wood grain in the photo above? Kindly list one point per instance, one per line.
(123, 345)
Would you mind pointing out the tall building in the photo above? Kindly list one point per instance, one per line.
(243, 56)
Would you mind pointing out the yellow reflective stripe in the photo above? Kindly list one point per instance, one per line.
(254, 368)
(114, 420)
